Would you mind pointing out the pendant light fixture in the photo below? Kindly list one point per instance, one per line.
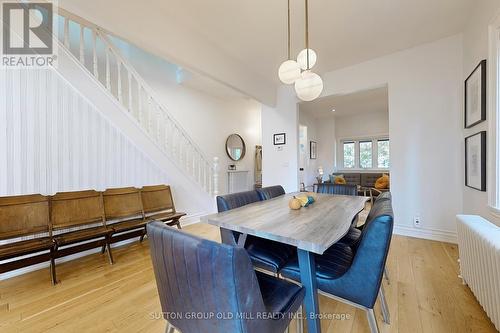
(289, 70)
(310, 85)
(302, 58)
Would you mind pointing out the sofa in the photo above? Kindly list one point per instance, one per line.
(364, 179)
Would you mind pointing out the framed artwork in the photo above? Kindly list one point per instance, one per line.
(279, 139)
(475, 161)
(475, 96)
(313, 150)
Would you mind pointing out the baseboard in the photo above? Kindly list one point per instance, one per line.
(427, 233)
(193, 218)
(185, 221)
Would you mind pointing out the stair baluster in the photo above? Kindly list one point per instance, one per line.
(141, 102)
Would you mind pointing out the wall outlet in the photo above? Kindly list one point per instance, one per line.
(417, 222)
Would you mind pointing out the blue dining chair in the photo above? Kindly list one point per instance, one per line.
(211, 288)
(354, 276)
(337, 189)
(270, 192)
(352, 236)
(266, 255)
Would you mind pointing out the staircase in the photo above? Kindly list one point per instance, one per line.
(92, 48)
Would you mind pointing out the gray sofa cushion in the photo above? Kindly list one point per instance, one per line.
(369, 179)
(350, 178)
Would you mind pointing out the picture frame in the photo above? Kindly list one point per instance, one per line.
(475, 161)
(475, 96)
(313, 150)
(279, 139)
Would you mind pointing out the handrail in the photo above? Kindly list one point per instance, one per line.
(166, 130)
(151, 92)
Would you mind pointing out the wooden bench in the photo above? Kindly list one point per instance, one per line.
(158, 204)
(25, 216)
(83, 211)
(124, 213)
(71, 222)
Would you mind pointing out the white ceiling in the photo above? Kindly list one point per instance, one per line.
(372, 100)
(242, 42)
(343, 32)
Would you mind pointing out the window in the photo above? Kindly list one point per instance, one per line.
(383, 154)
(349, 152)
(372, 154)
(365, 154)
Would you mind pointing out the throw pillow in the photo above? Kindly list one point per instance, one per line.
(339, 179)
(383, 182)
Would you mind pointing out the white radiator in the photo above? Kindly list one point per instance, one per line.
(479, 251)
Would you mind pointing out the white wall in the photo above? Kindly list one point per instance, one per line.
(311, 165)
(208, 119)
(357, 126)
(327, 144)
(362, 125)
(475, 50)
(425, 129)
(280, 165)
(54, 139)
(328, 131)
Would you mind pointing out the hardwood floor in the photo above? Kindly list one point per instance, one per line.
(425, 294)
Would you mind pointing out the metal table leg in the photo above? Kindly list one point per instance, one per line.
(307, 267)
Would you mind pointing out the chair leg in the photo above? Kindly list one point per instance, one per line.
(141, 239)
(386, 275)
(103, 249)
(178, 224)
(300, 321)
(53, 267)
(385, 308)
(169, 328)
(372, 321)
(108, 246)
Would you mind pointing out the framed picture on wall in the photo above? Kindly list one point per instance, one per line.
(475, 96)
(279, 139)
(313, 150)
(475, 161)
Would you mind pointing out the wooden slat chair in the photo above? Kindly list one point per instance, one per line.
(159, 205)
(82, 210)
(124, 213)
(25, 216)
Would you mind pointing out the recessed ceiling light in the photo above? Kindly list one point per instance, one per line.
(333, 110)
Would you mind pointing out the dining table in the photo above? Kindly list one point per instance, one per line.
(312, 230)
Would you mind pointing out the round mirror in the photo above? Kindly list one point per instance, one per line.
(235, 147)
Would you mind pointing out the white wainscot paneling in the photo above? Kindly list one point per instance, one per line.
(53, 139)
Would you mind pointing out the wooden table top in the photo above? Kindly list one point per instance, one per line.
(314, 228)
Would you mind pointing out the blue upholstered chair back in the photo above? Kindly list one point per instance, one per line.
(235, 200)
(232, 201)
(200, 276)
(361, 283)
(270, 192)
(384, 196)
(338, 189)
(378, 207)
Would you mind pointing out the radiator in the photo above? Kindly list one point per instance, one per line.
(479, 252)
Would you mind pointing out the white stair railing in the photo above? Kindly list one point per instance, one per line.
(92, 47)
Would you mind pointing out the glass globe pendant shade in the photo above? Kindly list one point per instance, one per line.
(289, 72)
(302, 59)
(309, 86)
